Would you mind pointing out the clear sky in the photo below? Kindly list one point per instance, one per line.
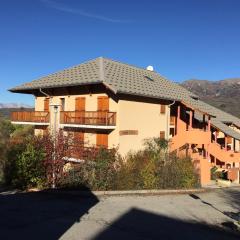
(182, 39)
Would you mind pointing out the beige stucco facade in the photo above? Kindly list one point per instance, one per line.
(143, 117)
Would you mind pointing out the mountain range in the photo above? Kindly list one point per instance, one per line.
(14, 105)
(223, 94)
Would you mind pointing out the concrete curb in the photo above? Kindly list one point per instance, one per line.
(126, 193)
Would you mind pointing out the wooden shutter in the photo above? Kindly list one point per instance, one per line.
(103, 103)
(103, 108)
(80, 104)
(46, 104)
(163, 109)
(102, 140)
(162, 134)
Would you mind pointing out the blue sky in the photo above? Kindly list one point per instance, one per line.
(182, 39)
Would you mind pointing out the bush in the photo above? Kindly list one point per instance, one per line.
(25, 166)
(155, 168)
(30, 169)
(178, 173)
(39, 161)
(96, 174)
(6, 129)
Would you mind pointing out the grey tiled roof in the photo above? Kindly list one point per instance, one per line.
(225, 129)
(120, 77)
(128, 79)
(217, 123)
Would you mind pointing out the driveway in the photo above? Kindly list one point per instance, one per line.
(205, 216)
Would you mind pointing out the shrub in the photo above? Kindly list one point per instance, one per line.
(96, 174)
(25, 165)
(39, 161)
(128, 175)
(178, 173)
(213, 173)
(30, 170)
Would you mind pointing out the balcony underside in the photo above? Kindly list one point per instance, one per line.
(30, 123)
(87, 126)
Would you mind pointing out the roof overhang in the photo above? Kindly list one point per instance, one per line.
(197, 109)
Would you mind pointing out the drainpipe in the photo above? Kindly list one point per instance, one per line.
(168, 117)
(41, 91)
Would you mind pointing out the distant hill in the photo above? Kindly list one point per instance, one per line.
(223, 94)
(14, 105)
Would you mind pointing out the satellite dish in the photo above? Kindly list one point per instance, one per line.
(150, 68)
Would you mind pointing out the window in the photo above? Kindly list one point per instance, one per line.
(162, 134)
(62, 104)
(46, 104)
(163, 109)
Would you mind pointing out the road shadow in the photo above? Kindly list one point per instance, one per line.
(41, 215)
(139, 224)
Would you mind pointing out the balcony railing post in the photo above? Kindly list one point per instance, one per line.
(106, 117)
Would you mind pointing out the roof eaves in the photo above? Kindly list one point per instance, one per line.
(146, 95)
(16, 89)
(196, 108)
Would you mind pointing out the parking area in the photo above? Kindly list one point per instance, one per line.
(209, 215)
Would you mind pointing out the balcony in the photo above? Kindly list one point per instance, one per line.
(192, 136)
(223, 154)
(88, 119)
(33, 117)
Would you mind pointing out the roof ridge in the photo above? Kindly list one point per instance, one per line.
(101, 69)
(127, 64)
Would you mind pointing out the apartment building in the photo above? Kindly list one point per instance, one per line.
(113, 104)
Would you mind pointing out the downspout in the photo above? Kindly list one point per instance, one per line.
(47, 95)
(168, 118)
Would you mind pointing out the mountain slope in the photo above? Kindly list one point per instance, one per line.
(14, 105)
(223, 94)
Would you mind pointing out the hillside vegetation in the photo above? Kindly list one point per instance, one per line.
(223, 94)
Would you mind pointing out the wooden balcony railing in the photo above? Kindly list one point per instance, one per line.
(88, 118)
(26, 116)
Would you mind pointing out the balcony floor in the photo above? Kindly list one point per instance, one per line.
(30, 123)
(87, 126)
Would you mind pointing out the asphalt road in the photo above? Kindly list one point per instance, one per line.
(61, 216)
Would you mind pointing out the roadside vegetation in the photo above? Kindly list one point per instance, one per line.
(28, 161)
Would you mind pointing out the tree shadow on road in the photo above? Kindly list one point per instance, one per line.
(139, 224)
(41, 215)
(232, 197)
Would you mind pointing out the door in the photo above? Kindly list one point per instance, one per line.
(103, 108)
(46, 104)
(80, 110)
(102, 140)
